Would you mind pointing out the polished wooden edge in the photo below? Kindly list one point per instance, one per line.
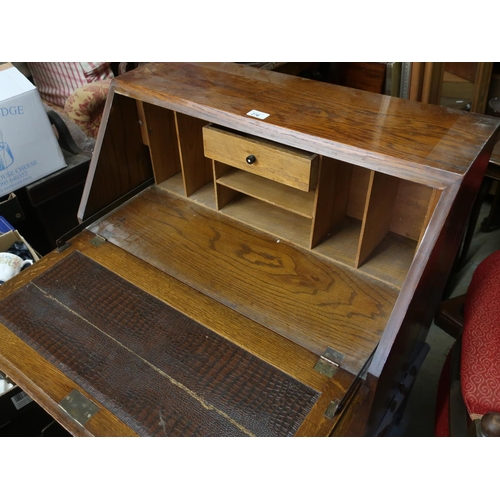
(48, 386)
(95, 155)
(317, 423)
(413, 278)
(412, 171)
(404, 169)
(38, 377)
(354, 419)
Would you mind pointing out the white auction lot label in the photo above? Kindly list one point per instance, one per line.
(258, 114)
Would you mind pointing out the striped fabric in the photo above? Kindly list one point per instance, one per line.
(56, 81)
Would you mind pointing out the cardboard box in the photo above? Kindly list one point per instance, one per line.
(9, 238)
(28, 146)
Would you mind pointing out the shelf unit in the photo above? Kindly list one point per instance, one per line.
(349, 214)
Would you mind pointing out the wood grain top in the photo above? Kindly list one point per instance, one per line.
(415, 140)
(300, 296)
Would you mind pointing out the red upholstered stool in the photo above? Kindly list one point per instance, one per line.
(470, 382)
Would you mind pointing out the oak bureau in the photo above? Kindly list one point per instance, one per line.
(259, 255)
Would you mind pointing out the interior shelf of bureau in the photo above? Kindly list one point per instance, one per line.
(273, 220)
(350, 215)
(285, 197)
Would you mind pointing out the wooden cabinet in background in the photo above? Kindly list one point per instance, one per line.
(264, 255)
(458, 85)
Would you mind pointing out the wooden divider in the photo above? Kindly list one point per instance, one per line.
(331, 198)
(162, 141)
(382, 192)
(196, 168)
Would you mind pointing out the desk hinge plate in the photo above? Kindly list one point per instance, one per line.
(329, 362)
(332, 408)
(78, 407)
(97, 240)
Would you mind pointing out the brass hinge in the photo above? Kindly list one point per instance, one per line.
(97, 240)
(329, 362)
(332, 408)
(78, 407)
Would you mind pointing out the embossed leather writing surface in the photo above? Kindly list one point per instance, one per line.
(158, 370)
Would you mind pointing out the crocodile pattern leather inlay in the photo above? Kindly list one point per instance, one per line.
(156, 369)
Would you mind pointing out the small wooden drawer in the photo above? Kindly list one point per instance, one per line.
(283, 164)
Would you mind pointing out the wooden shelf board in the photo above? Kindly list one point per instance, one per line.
(174, 185)
(342, 245)
(270, 219)
(204, 196)
(274, 193)
(389, 262)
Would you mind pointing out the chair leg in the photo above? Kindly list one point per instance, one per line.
(458, 411)
(489, 223)
(471, 226)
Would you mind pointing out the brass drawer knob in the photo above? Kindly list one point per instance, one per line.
(251, 159)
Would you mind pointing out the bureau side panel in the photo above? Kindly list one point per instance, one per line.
(120, 161)
(396, 353)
